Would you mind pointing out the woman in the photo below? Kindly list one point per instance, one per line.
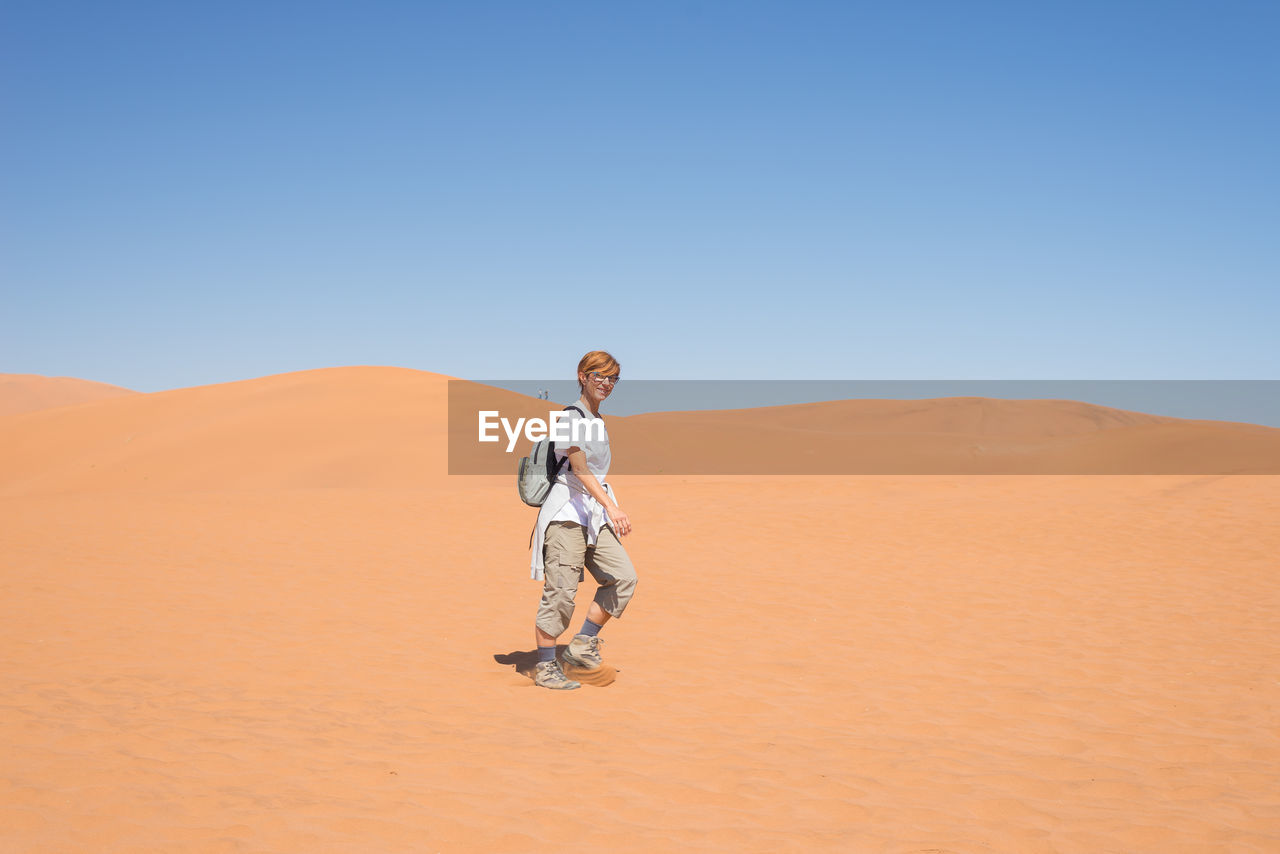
(578, 526)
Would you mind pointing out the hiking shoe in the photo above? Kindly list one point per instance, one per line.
(584, 651)
(549, 675)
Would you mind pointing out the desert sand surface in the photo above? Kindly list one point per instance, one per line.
(29, 392)
(261, 617)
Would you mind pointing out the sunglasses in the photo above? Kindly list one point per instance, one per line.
(599, 377)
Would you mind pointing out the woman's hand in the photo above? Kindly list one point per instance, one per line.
(621, 521)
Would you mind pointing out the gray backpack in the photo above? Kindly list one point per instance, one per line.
(538, 471)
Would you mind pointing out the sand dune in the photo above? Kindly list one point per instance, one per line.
(261, 617)
(941, 436)
(340, 427)
(29, 392)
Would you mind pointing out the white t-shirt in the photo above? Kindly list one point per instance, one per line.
(593, 439)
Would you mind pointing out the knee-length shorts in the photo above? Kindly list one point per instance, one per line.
(565, 555)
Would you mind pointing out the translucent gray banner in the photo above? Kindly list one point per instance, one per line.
(888, 426)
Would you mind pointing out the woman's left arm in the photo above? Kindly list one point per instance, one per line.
(620, 520)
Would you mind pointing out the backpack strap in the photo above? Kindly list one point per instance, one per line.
(560, 464)
(555, 472)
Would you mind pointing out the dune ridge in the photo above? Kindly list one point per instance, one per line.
(31, 392)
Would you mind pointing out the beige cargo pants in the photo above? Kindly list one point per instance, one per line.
(565, 554)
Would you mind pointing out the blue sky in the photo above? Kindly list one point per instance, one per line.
(921, 190)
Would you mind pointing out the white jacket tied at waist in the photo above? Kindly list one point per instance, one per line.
(559, 496)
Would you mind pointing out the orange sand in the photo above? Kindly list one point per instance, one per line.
(260, 617)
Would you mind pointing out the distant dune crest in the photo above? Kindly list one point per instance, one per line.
(32, 392)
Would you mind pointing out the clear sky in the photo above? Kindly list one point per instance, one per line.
(197, 193)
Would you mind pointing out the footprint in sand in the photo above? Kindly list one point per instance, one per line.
(601, 676)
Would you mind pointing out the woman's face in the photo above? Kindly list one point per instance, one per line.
(597, 385)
